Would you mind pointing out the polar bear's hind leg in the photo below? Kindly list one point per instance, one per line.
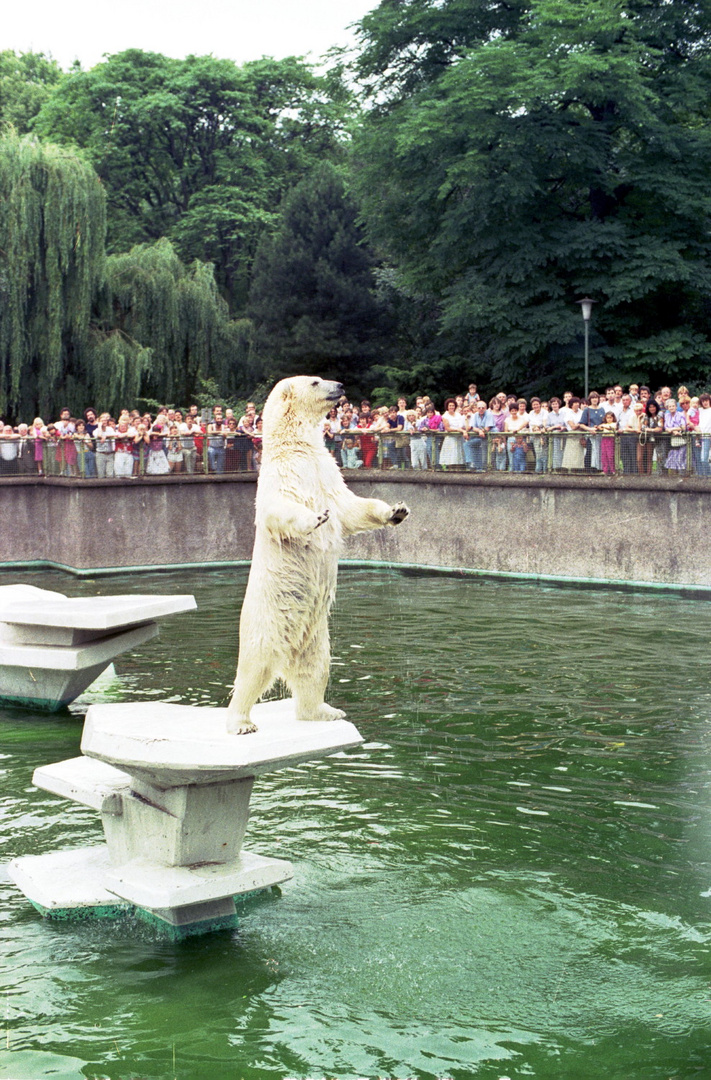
(252, 680)
(309, 680)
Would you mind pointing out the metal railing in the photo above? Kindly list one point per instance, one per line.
(614, 453)
(618, 453)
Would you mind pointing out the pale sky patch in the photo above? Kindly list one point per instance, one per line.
(239, 30)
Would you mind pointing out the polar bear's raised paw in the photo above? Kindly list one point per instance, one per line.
(398, 513)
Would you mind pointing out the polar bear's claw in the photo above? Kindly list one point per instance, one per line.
(399, 513)
(321, 519)
(240, 725)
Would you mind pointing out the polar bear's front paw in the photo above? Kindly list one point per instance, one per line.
(398, 513)
(239, 724)
(321, 519)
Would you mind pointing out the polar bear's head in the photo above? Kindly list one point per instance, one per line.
(302, 400)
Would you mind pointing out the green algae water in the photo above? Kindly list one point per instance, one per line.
(511, 878)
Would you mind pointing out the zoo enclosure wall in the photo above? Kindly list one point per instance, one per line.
(566, 527)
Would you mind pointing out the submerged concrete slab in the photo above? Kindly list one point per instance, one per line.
(67, 883)
(149, 885)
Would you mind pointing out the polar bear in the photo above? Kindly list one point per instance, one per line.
(303, 512)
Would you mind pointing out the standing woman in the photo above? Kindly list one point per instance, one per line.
(452, 452)
(704, 430)
(574, 452)
(232, 454)
(555, 422)
(651, 425)
(157, 464)
(516, 421)
(593, 416)
(537, 425)
(434, 423)
(497, 414)
(331, 427)
(675, 426)
(39, 433)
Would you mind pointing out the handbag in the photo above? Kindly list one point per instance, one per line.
(678, 440)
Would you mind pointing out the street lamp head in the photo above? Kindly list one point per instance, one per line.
(586, 304)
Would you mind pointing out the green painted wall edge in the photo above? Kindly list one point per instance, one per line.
(701, 591)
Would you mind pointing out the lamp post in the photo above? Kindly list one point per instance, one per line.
(586, 306)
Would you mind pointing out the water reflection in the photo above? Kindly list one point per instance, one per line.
(506, 879)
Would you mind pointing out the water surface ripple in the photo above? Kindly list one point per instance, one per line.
(511, 878)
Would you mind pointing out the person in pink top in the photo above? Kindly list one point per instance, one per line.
(38, 432)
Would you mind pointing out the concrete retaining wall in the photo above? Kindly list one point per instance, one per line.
(629, 529)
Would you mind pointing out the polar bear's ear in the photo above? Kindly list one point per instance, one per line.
(286, 388)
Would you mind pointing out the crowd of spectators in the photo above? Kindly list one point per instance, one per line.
(99, 445)
(633, 431)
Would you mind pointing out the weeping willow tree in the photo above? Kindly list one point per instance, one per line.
(162, 329)
(52, 230)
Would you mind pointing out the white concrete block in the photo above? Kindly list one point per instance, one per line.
(65, 880)
(147, 885)
(28, 606)
(35, 676)
(57, 658)
(181, 826)
(86, 781)
(171, 745)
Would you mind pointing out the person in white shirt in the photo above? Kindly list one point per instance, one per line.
(104, 439)
(628, 423)
(537, 425)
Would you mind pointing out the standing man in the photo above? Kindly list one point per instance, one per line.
(628, 425)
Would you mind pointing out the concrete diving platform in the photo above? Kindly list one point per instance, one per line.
(173, 791)
(52, 647)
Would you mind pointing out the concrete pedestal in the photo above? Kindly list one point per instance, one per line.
(52, 647)
(173, 791)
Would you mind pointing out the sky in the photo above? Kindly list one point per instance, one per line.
(239, 30)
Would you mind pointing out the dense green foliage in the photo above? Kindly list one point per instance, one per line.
(509, 157)
(198, 150)
(52, 227)
(313, 299)
(522, 156)
(163, 329)
(27, 81)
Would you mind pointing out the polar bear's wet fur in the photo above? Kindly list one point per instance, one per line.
(303, 512)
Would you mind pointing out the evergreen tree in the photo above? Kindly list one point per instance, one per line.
(537, 153)
(313, 299)
(52, 225)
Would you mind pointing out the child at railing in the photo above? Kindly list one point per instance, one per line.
(498, 453)
(518, 451)
(368, 444)
(349, 453)
(39, 433)
(607, 444)
(175, 449)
